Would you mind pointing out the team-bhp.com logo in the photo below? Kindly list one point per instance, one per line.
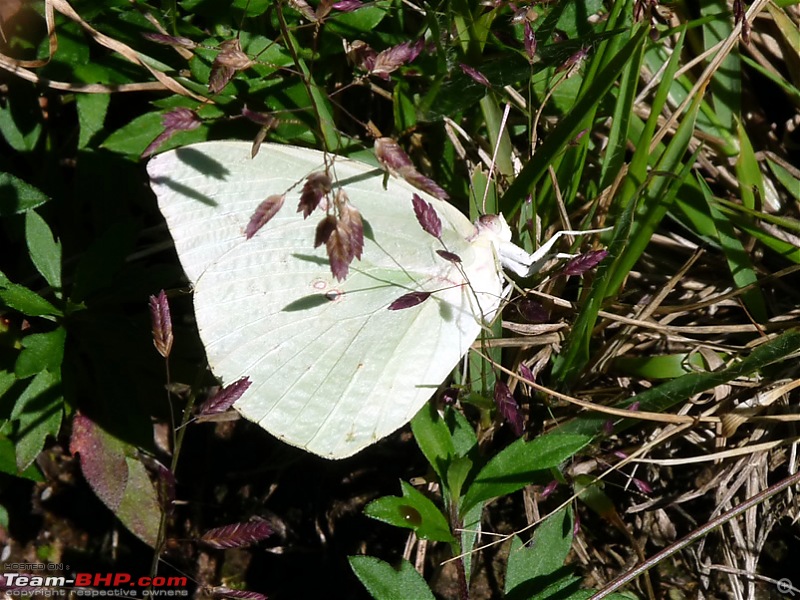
(95, 584)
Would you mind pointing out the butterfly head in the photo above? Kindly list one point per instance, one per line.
(493, 227)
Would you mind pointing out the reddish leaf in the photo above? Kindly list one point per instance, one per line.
(304, 9)
(584, 262)
(224, 592)
(229, 60)
(409, 300)
(450, 256)
(392, 156)
(526, 372)
(325, 229)
(574, 60)
(549, 489)
(348, 5)
(508, 407)
(117, 477)
(530, 41)
(475, 75)
(170, 40)
(340, 250)
(532, 311)
(643, 486)
(102, 460)
(315, 188)
(237, 535)
(323, 9)
(179, 119)
(427, 217)
(426, 184)
(162, 323)
(393, 58)
(361, 55)
(225, 398)
(343, 237)
(351, 226)
(260, 118)
(263, 214)
(396, 161)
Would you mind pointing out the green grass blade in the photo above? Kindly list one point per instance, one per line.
(737, 257)
(567, 129)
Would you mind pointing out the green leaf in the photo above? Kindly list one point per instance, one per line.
(470, 534)
(20, 119)
(539, 566)
(92, 109)
(660, 366)
(24, 300)
(516, 466)
(8, 456)
(45, 251)
(40, 352)
(464, 438)
(132, 139)
(363, 20)
(38, 410)
(384, 582)
(748, 171)
(789, 181)
(433, 438)
(412, 510)
(17, 196)
(457, 474)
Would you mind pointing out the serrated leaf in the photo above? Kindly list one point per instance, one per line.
(92, 109)
(40, 352)
(17, 196)
(38, 410)
(384, 582)
(45, 251)
(22, 299)
(529, 565)
(516, 466)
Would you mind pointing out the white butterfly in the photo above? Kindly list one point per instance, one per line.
(332, 369)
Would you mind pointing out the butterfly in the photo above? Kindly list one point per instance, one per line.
(333, 368)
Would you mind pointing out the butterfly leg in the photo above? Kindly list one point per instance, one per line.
(518, 261)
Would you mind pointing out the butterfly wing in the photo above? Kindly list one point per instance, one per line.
(332, 369)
